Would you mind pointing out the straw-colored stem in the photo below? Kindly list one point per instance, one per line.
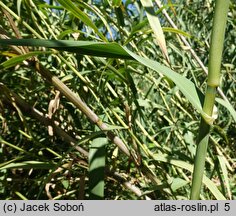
(81, 105)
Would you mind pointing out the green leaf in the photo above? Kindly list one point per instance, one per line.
(11, 145)
(81, 16)
(97, 157)
(29, 165)
(110, 50)
(20, 195)
(116, 3)
(225, 173)
(186, 86)
(182, 164)
(155, 25)
(19, 59)
(114, 127)
(177, 31)
(18, 4)
(10, 161)
(229, 107)
(178, 183)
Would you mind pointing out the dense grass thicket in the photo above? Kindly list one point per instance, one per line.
(138, 139)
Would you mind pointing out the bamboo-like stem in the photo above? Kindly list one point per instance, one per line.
(76, 100)
(216, 48)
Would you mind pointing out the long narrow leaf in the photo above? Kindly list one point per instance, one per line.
(20, 58)
(97, 168)
(114, 50)
(211, 186)
(186, 86)
(29, 165)
(224, 173)
(229, 107)
(81, 15)
(111, 50)
(155, 25)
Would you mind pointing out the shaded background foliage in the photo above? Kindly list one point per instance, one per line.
(161, 118)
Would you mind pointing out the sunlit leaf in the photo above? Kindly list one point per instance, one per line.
(20, 58)
(178, 183)
(229, 107)
(81, 15)
(155, 25)
(111, 50)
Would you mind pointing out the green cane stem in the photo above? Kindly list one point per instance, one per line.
(216, 48)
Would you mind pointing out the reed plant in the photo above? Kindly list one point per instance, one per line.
(213, 82)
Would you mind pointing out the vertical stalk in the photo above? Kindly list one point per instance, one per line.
(216, 48)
